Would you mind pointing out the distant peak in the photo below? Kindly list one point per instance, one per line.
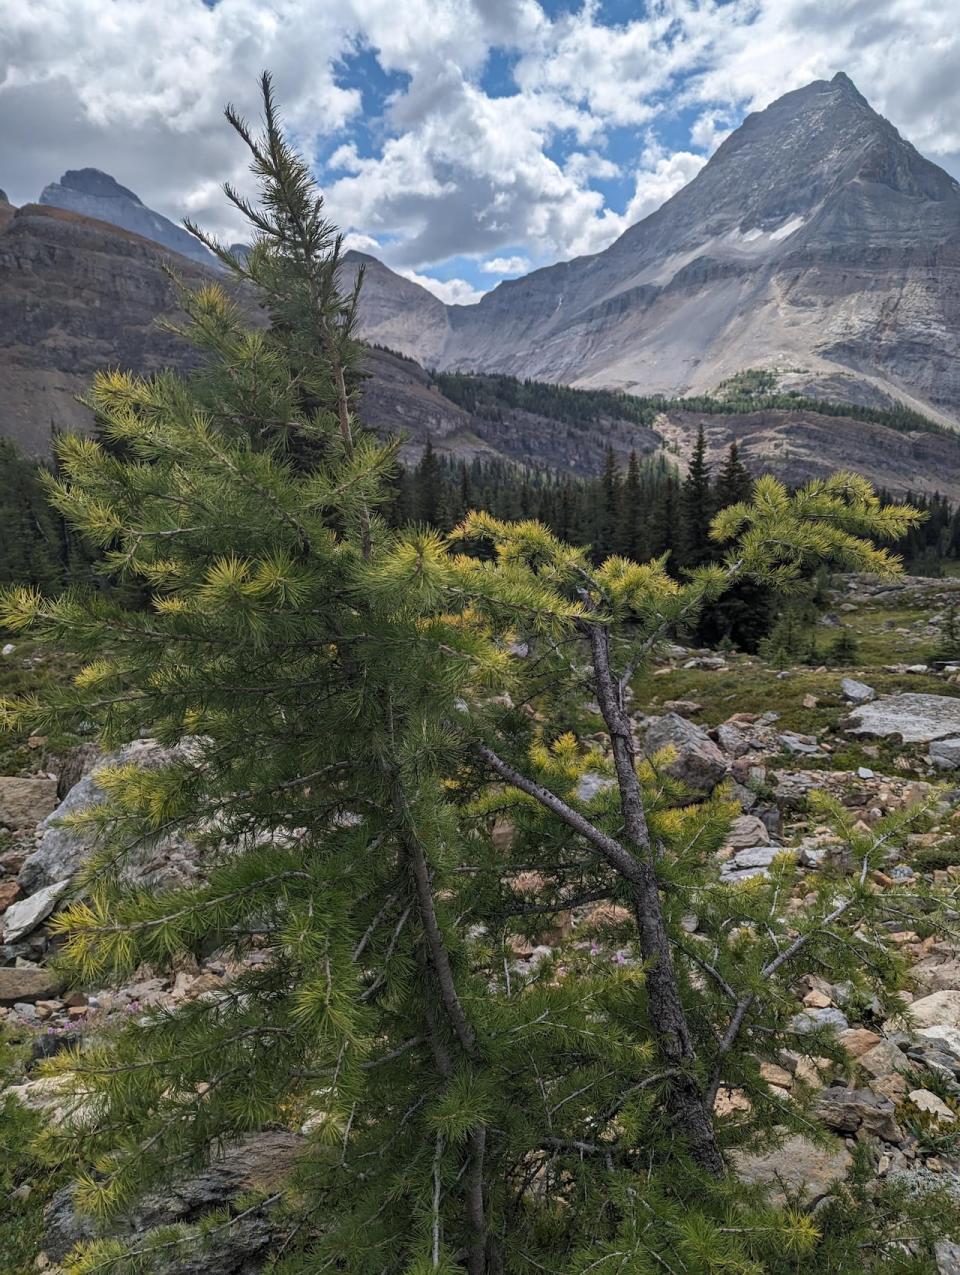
(3, 197)
(91, 181)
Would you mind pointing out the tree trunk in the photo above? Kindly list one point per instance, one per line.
(686, 1101)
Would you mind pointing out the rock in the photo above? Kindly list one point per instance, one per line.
(945, 1039)
(936, 974)
(944, 754)
(682, 707)
(799, 744)
(864, 772)
(26, 985)
(9, 893)
(928, 1102)
(817, 1000)
(793, 788)
(858, 1040)
(24, 802)
(799, 1165)
(857, 692)
(848, 1110)
(809, 1020)
(755, 857)
(170, 860)
(775, 1075)
(917, 719)
(892, 1086)
(258, 1163)
(699, 763)
(947, 1256)
(20, 918)
(939, 1008)
(747, 831)
(590, 783)
(883, 1059)
(733, 741)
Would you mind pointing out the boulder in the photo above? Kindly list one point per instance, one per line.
(944, 753)
(747, 831)
(849, 1110)
(23, 917)
(856, 692)
(884, 1059)
(946, 1040)
(698, 764)
(801, 745)
(755, 857)
(732, 740)
(590, 783)
(947, 1256)
(26, 985)
(931, 1105)
(858, 1040)
(809, 1020)
(170, 860)
(917, 719)
(24, 802)
(799, 1165)
(258, 1163)
(937, 1009)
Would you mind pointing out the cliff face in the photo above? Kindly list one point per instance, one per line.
(816, 240)
(77, 295)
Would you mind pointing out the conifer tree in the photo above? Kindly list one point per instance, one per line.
(696, 508)
(734, 482)
(348, 708)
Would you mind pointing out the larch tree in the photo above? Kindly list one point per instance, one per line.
(355, 712)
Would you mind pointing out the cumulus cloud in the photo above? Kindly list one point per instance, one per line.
(450, 291)
(447, 162)
(505, 266)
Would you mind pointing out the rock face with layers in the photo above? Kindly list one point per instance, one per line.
(815, 205)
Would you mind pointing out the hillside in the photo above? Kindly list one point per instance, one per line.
(816, 241)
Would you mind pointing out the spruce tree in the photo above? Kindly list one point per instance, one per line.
(696, 508)
(371, 765)
(734, 482)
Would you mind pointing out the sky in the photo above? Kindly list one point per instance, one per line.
(461, 141)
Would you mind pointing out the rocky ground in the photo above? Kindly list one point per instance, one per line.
(879, 737)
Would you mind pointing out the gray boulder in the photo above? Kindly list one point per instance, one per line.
(699, 763)
(917, 719)
(849, 1110)
(798, 1165)
(809, 1020)
(259, 1163)
(23, 917)
(62, 850)
(857, 692)
(747, 831)
(944, 754)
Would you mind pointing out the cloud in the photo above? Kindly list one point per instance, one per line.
(504, 129)
(450, 291)
(505, 266)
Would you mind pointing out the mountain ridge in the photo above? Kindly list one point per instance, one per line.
(736, 269)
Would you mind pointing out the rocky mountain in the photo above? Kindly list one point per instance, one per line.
(92, 193)
(816, 241)
(78, 294)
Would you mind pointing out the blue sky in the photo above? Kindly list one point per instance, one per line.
(461, 141)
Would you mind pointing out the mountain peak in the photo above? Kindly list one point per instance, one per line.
(97, 184)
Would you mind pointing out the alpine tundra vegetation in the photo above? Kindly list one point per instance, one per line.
(398, 757)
